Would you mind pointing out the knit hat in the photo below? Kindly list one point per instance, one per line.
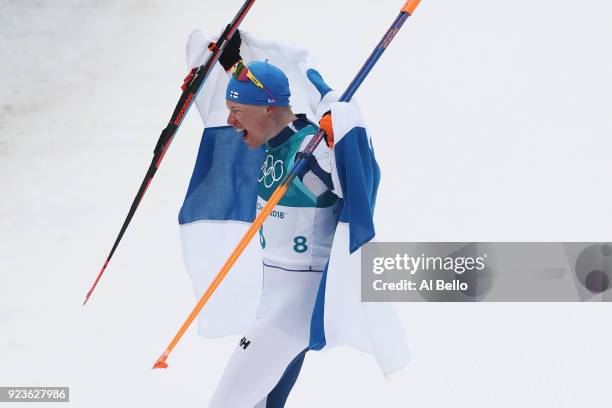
(272, 78)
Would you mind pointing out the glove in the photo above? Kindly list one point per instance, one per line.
(326, 124)
(231, 52)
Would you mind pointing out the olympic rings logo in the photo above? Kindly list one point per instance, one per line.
(271, 171)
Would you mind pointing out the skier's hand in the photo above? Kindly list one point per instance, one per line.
(326, 124)
(231, 52)
(326, 120)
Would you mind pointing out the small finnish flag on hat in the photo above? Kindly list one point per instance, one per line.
(234, 94)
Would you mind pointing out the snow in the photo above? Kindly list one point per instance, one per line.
(492, 123)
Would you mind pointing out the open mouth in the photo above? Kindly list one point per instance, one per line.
(245, 134)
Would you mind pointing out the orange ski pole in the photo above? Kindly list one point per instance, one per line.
(274, 199)
(280, 191)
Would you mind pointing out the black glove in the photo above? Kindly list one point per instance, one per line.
(231, 52)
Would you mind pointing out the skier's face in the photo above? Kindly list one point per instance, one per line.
(253, 120)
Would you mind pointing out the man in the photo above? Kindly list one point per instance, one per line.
(295, 239)
(298, 301)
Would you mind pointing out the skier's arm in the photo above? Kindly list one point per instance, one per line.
(317, 176)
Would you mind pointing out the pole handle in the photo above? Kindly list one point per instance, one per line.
(410, 6)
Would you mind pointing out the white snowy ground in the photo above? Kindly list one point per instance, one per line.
(493, 122)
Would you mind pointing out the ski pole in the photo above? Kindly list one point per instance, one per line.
(187, 98)
(405, 12)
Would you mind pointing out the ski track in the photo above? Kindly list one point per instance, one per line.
(497, 140)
